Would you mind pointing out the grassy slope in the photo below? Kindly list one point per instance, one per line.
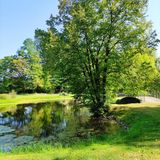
(140, 142)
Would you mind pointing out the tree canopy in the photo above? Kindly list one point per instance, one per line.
(96, 45)
(23, 72)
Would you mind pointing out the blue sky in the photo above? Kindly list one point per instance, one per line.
(19, 19)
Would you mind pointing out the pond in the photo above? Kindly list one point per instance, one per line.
(49, 122)
(43, 121)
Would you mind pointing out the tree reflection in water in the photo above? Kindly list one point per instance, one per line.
(45, 119)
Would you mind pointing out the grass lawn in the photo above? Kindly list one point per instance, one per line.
(140, 142)
(92, 152)
(10, 101)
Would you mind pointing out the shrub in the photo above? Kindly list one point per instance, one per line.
(127, 100)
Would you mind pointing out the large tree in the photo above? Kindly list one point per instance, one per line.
(96, 40)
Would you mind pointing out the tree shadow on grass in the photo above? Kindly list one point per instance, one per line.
(143, 127)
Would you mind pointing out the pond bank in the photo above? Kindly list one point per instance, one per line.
(141, 141)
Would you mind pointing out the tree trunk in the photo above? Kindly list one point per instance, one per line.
(99, 109)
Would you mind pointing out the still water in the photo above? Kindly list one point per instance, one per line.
(36, 121)
(43, 119)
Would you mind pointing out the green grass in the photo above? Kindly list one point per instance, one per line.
(10, 101)
(140, 142)
(86, 152)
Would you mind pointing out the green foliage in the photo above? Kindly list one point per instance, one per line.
(33, 68)
(47, 44)
(5, 74)
(137, 77)
(98, 50)
(23, 72)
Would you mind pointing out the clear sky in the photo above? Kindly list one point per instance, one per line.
(19, 19)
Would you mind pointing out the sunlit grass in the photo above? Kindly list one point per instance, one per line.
(92, 152)
(7, 101)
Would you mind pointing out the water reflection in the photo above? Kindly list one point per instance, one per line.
(44, 119)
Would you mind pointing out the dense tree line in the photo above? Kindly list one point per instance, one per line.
(92, 48)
